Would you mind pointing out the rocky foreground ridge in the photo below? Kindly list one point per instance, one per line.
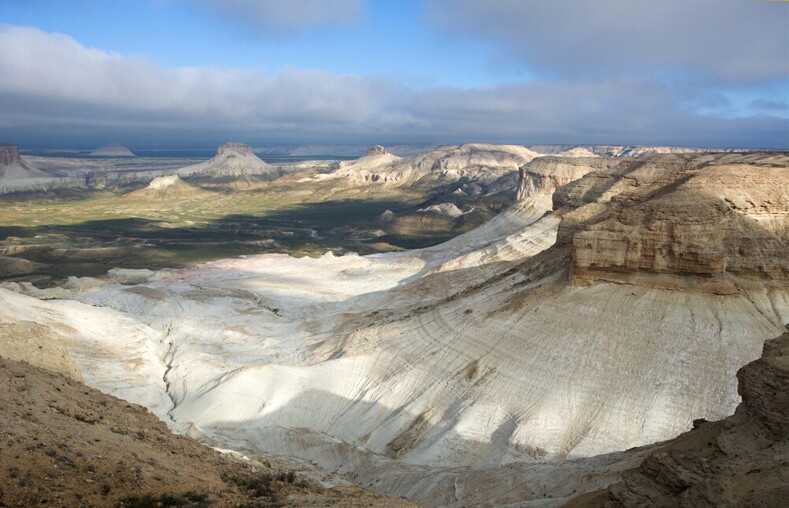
(65, 444)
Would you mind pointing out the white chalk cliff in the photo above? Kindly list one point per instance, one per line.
(609, 308)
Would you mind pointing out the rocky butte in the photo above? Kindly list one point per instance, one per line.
(530, 361)
(232, 160)
(376, 150)
(15, 172)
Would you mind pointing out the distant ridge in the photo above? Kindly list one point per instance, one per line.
(112, 150)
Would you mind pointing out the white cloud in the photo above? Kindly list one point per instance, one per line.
(55, 91)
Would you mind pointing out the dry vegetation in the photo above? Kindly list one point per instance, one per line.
(64, 444)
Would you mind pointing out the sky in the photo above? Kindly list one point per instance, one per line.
(155, 73)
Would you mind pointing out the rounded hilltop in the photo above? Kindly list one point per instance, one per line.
(112, 150)
(168, 186)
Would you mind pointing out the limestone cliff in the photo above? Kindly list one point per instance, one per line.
(544, 175)
(669, 217)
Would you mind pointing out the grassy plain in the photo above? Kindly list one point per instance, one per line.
(88, 232)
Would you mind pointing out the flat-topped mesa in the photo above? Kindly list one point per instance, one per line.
(234, 148)
(376, 150)
(112, 150)
(9, 154)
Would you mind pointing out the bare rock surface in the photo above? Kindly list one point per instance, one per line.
(742, 460)
(169, 186)
(376, 150)
(445, 209)
(15, 172)
(700, 217)
(481, 163)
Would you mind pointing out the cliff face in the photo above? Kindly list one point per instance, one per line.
(480, 164)
(669, 217)
(9, 154)
(543, 175)
(376, 150)
(739, 461)
(14, 171)
(235, 149)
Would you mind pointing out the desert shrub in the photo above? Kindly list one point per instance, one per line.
(189, 499)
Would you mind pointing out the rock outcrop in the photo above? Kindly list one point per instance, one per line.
(14, 169)
(543, 175)
(376, 150)
(740, 461)
(9, 154)
(679, 221)
(232, 160)
(169, 186)
(161, 183)
(442, 209)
